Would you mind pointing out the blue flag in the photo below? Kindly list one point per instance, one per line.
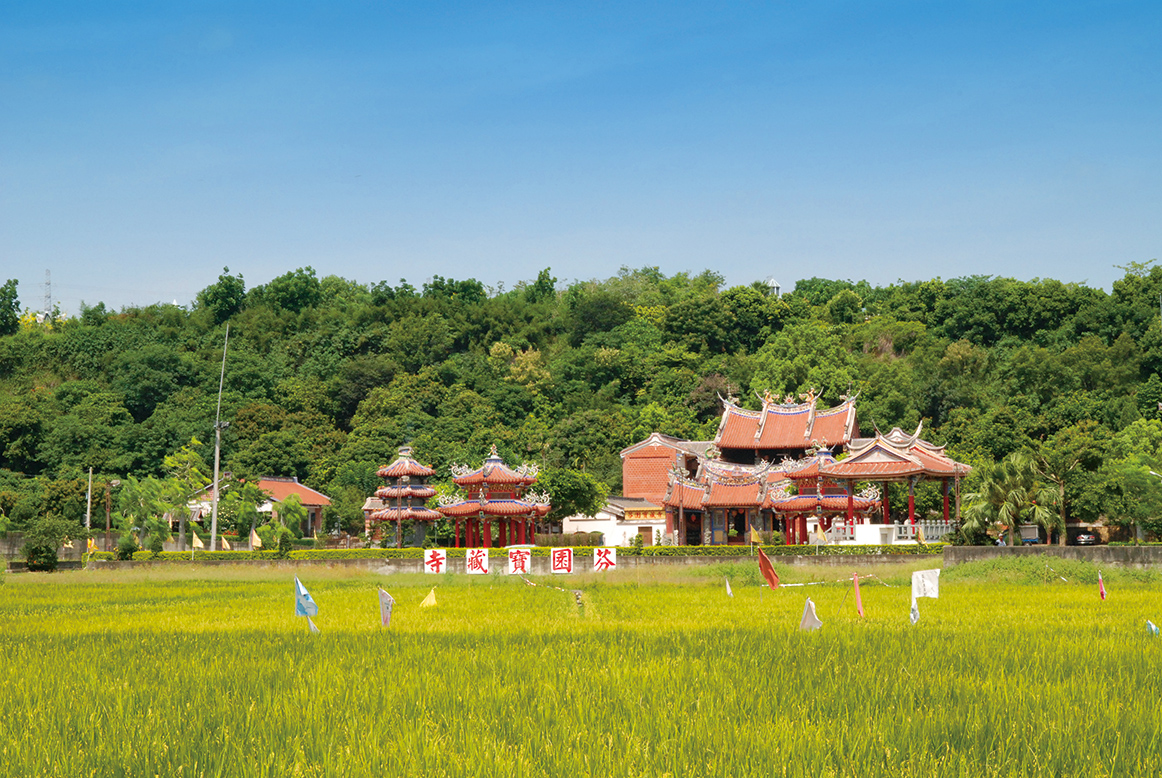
(304, 605)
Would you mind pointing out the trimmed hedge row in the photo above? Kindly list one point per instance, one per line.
(539, 551)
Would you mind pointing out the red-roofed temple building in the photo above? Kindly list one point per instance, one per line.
(724, 490)
(496, 493)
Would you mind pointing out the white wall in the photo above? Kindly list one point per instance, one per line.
(617, 533)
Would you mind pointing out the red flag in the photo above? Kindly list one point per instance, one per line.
(768, 570)
(1101, 585)
(858, 599)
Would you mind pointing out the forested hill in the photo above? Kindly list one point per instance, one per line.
(326, 377)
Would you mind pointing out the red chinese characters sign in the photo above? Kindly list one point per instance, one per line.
(604, 559)
(476, 561)
(561, 560)
(518, 561)
(435, 561)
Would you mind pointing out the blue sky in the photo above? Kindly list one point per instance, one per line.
(143, 146)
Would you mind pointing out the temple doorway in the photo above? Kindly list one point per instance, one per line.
(693, 529)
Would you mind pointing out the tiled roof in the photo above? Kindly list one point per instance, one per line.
(281, 488)
(494, 472)
(785, 426)
(414, 491)
(895, 455)
(403, 514)
(687, 496)
(810, 502)
(405, 465)
(501, 508)
(730, 495)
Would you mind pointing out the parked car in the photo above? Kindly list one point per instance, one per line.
(1087, 538)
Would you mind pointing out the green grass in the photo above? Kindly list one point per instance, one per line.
(207, 672)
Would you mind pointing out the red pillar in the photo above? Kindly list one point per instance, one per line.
(669, 522)
(946, 499)
(887, 508)
(501, 532)
(457, 533)
(851, 502)
(911, 502)
(488, 533)
(802, 533)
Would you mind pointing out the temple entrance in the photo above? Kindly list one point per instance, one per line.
(693, 528)
(736, 521)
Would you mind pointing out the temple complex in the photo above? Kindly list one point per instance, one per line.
(494, 492)
(773, 470)
(403, 497)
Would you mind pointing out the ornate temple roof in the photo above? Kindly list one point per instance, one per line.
(786, 425)
(404, 492)
(494, 472)
(895, 456)
(404, 514)
(495, 508)
(404, 465)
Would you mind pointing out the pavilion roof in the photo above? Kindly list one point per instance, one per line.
(413, 491)
(403, 514)
(405, 465)
(895, 456)
(810, 503)
(494, 472)
(496, 508)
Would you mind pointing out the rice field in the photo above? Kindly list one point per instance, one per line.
(1012, 672)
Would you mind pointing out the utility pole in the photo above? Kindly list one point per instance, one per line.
(218, 443)
(89, 501)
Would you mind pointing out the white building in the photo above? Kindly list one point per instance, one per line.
(620, 520)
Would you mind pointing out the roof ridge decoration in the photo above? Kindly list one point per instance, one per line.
(537, 498)
(453, 498)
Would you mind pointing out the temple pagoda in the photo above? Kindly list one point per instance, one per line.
(495, 492)
(403, 496)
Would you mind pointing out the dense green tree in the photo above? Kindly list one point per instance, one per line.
(294, 291)
(572, 492)
(224, 298)
(9, 308)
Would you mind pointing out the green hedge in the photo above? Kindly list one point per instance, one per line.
(901, 550)
(539, 551)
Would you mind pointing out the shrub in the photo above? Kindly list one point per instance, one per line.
(126, 546)
(156, 544)
(286, 542)
(42, 539)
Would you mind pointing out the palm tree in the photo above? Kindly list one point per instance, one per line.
(1013, 491)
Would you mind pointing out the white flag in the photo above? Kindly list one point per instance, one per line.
(915, 614)
(728, 592)
(311, 625)
(385, 604)
(255, 541)
(810, 621)
(926, 583)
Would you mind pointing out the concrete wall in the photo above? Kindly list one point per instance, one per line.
(1111, 556)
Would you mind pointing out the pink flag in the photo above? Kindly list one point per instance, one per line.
(858, 599)
(1101, 585)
